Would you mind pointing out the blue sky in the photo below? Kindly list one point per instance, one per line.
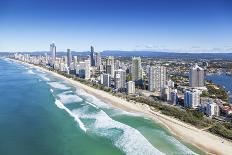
(159, 25)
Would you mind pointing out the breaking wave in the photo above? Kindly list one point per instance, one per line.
(126, 138)
(58, 85)
(30, 71)
(44, 77)
(69, 98)
(75, 116)
(91, 99)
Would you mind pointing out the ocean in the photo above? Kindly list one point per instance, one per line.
(41, 114)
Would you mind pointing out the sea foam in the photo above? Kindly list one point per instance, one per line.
(119, 112)
(30, 71)
(69, 98)
(75, 116)
(44, 77)
(58, 85)
(91, 99)
(126, 138)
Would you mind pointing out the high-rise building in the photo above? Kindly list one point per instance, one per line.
(156, 78)
(46, 58)
(69, 57)
(75, 61)
(110, 66)
(192, 98)
(65, 59)
(165, 93)
(120, 79)
(136, 70)
(109, 69)
(101, 68)
(53, 53)
(173, 97)
(212, 109)
(87, 69)
(130, 87)
(92, 56)
(117, 64)
(83, 69)
(196, 76)
(98, 60)
(106, 80)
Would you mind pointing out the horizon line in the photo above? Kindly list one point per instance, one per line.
(152, 51)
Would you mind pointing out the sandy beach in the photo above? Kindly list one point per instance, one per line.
(206, 141)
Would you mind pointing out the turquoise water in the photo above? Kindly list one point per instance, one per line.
(43, 115)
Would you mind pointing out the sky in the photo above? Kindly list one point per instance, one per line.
(151, 25)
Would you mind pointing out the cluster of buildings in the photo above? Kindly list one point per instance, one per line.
(128, 77)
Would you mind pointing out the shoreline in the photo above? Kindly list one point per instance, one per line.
(203, 140)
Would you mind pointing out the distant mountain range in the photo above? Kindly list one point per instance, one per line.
(168, 55)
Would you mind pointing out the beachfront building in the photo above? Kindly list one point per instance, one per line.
(196, 76)
(136, 70)
(156, 78)
(173, 97)
(106, 80)
(212, 109)
(130, 87)
(192, 98)
(120, 79)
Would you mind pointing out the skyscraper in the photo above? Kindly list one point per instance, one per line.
(53, 53)
(136, 70)
(69, 57)
(98, 60)
(196, 76)
(75, 61)
(87, 69)
(110, 66)
(120, 79)
(92, 56)
(156, 78)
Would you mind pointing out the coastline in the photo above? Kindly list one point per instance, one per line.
(204, 140)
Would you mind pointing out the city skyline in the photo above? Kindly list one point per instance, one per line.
(166, 26)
